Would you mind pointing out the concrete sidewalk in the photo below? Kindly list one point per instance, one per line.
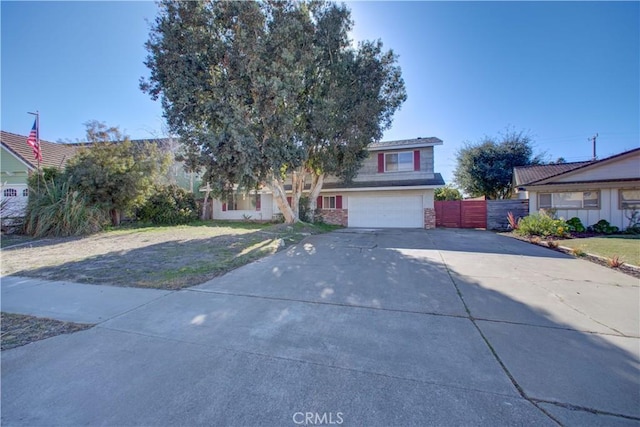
(377, 327)
(71, 302)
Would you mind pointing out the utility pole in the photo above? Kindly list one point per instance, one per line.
(593, 140)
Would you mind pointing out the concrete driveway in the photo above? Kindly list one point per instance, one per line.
(355, 327)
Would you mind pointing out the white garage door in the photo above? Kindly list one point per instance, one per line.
(386, 211)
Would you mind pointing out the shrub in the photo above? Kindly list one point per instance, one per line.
(577, 252)
(603, 227)
(633, 230)
(615, 262)
(169, 205)
(552, 244)
(575, 225)
(54, 209)
(541, 224)
(513, 223)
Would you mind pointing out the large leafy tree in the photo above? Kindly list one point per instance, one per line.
(263, 92)
(113, 173)
(447, 193)
(350, 100)
(486, 168)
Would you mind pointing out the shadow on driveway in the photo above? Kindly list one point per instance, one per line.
(386, 327)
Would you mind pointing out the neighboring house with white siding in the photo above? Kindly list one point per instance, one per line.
(606, 189)
(17, 163)
(394, 188)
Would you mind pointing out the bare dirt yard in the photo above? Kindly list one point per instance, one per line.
(152, 257)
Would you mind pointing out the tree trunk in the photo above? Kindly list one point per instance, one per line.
(115, 217)
(204, 206)
(297, 186)
(316, 186)
(279, 195)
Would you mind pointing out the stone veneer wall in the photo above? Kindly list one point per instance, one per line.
(337, 216)
(429, 218)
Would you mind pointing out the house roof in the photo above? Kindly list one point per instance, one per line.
(53, 154)
(527, 174)
(435, 181)
(405, 143)
(580, 165)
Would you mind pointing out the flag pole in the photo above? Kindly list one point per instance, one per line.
(37, 114)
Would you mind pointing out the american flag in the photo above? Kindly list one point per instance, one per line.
(34, 141)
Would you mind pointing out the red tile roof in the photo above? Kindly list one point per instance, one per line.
(53, 154)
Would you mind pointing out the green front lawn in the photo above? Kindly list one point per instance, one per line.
(627, 248)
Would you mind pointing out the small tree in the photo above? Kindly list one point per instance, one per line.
(448, 193)
(486, 168)
(113, 173)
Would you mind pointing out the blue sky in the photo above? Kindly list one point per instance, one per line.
(561, 71)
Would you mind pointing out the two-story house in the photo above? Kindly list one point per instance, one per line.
(394, 188)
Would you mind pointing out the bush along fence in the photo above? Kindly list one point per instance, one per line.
(497, 211)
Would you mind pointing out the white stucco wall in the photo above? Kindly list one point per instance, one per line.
(264, 214)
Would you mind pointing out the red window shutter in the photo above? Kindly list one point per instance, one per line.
(224, 207)
(338, 202)
(416, 160)
(319, 202)
(258, 205)
(380, 162)
(289, 200)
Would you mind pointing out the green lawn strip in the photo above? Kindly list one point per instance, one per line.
(628, 249)
(20, 329)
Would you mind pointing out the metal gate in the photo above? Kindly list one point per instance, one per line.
(461, 213)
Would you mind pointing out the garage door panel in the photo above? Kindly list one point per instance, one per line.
(386, 211)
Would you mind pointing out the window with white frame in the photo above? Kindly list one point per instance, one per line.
(629, 199)
(329, 202)
(25, 192)
(10, 192)
(569, 200)
(398, 162)
(242, 202)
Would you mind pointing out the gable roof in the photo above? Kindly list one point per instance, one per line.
(523, 175)
(547, 172)
(53, 154)
(405, 143)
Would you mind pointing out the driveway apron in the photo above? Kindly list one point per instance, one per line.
(355, 327)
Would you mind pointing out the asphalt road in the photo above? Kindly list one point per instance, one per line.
(355, 327)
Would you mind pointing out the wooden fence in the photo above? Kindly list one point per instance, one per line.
(461, 213)
(489, 214)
